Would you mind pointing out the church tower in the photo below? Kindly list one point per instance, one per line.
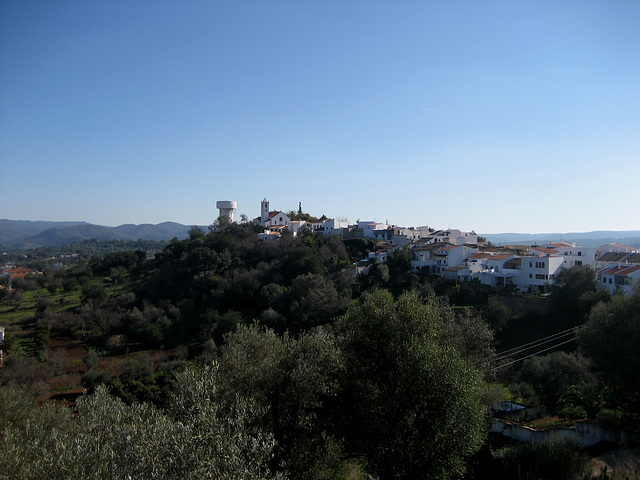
(264, 217)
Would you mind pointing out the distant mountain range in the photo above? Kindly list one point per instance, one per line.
(585, 239)
(23, 234)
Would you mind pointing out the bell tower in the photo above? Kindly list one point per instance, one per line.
(264, 216)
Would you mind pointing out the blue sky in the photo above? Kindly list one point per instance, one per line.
(508, 116)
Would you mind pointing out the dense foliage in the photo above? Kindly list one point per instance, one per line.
(285, 363)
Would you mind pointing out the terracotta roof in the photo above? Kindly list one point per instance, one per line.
(546, 250)
(502, 256)
(611, 257)
(618, 245)
(19, 272)
(621, 270)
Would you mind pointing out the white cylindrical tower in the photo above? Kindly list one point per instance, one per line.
(227, 208)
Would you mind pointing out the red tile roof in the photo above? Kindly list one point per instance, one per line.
(546, 250)
(502, 256)
(621, 270)
(20, 272)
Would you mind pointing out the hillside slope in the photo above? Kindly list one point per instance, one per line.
(19, 234)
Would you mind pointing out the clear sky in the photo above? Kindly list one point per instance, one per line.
(496, 116)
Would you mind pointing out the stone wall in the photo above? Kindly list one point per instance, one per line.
(586, 433)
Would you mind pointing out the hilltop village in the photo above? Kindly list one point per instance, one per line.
(463, 257)
(309, 347)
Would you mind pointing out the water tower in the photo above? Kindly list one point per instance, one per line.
(227, 208)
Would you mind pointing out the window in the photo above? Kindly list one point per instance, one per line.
(579, 254)
(578, 262)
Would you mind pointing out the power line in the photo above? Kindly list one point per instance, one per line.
(533, 354)
(535, 343)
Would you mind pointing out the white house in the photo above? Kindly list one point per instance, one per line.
(277, 219)
(455, 236)
(475, 263)
(296, 226)
(623, 277)
(574, 254)
(537, 273)
(612, 259)
(269, 218)
(616, 248)
(332, 226)
(501, 270)
(269, 234)
(460, 274)
(448, 256)
(423, 256)
(380, 256)
(368, 228)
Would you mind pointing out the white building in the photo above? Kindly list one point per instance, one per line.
(501, 270)
(538, 273)
(461, 274)
(279, 219)
(623, 277)
(423, 256)
(296, 226)
(573, 254)
(227, 208)
(455, 236)
(332, 226)
(615, 248)
(613, 259)
(369, 227)
(440, 256)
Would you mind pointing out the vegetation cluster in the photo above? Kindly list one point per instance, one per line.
(224, 356)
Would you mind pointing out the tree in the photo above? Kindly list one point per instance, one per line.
(553, 375)
(610, 339)
(198, 436)
(557, 458)
(293, 381)
(411, 404)
(575, 291)
(470, 334)
(314, 301)
(497, 314)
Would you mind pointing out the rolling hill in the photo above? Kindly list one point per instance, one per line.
(585, 239)
(21, 234)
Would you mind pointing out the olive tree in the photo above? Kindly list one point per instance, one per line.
(411, 403)
(610, 340)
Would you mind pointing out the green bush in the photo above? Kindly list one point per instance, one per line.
(558, 459)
